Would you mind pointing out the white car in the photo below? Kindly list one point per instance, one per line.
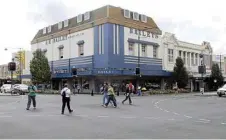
(21, 87)
(221, 91)
(6, 88)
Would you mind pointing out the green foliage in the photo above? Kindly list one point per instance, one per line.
(216, 78)
(39, 68)
(180, 74)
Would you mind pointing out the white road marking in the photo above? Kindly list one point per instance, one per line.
(166, 110)
(160, 108)
(81, 115)
(187, 116)
(6, 116)
(151, 118)
(33, 115)
(175, 113)
(124, 117)
(223, 123)
(53, 115)
(204, 120)
(102, 116)
(171, 119)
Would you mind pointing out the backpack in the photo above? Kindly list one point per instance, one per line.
(64, 93)
(31, 87)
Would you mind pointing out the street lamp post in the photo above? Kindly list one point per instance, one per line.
(20, 57)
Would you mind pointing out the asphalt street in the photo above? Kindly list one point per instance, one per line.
(167, 116)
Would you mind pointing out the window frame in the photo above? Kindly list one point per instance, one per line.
(79, 18)
(170, 55)
(131, 51)
(126, 16)
(87, 16)
(134, 16)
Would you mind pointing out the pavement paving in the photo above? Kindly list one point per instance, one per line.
(165, 117)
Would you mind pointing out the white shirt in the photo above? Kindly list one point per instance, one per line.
(67, 91)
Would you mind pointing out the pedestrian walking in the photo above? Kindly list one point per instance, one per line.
(129, 91)
(32, 89)
(139, 93)
(78, 88)
(111, 97)
(105, 92)
(66, 98)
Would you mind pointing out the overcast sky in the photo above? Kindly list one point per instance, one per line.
(191, 20)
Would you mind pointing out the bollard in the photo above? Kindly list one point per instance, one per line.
(117, 93)
(92, 93)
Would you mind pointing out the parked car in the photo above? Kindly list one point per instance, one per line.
(20, 88)
(6, 88)
(221, 91)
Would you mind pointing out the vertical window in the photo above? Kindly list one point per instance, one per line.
(81, 50)
(196, 59)
(143, 18)
(155, 52)
(131, 30)
(66, 23)
(170, 55)
(126, 13)
(180, 54)
(135, 16)
(131, 49)
(143, 50)
(188, 59)
(184, 57)
(61, 53)
(79, 18)
(192, 59)
(87, 16)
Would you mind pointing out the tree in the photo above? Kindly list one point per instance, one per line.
(180, 74)
(216, 78)
(39, 68)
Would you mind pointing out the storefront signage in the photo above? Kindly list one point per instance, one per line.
(60, 71)
(105, 72)
(143, 33)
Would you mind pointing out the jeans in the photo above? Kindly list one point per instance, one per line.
(111, 98)
(31, 98)
(66, 100)
(105, 97)
(127, 97)
(139, 92)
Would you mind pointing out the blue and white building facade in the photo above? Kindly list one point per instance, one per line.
(102, 49)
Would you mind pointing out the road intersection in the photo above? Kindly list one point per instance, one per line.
(166, 116)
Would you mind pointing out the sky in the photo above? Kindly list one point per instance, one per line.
(190, 20)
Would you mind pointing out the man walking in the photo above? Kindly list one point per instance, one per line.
(105, 92)
(129, 90)
(111, 96)
(31, 96)
(66, 93)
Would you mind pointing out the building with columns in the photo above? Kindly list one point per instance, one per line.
(189, 53)
(102, 45)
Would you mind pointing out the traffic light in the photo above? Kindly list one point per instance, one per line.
(137, 71)
(74, 71)
(11, 66)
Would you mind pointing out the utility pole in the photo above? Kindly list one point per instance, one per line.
(220, 63)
